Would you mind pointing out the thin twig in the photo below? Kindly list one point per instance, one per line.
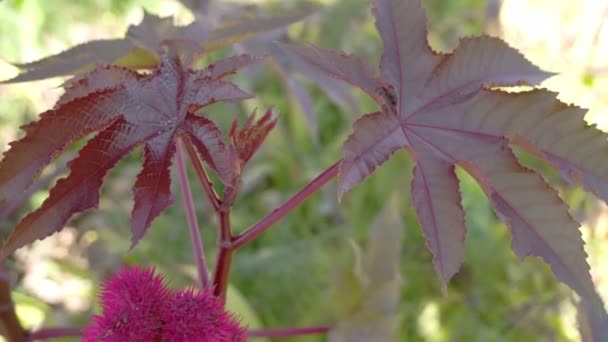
(56, 332)
(265, 223)
(193, 228)
(202, 176)
(289, 332)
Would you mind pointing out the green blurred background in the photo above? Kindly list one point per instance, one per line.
(285, 277)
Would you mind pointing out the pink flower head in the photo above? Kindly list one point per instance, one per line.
(138, 307)
(132, 302)
(193, 316)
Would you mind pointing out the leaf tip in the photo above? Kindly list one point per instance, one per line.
(134, 241)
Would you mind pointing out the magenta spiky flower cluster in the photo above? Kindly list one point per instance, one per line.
(137, 306)
(199, 316)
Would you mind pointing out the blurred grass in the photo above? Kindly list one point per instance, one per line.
(285, 274)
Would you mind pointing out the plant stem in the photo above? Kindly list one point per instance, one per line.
(265, 223)
(193, 228)
(224, 256)
(12, 326)
(289, 332)
(48, 333)
(202, 175)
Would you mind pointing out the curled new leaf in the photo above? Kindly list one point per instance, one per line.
(248, 138)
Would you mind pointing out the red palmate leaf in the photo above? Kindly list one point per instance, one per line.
(100, 78)
(338, 65)
(442, 109)
(335, 90)
(152, 190)
(130, 110)
(73, 60)
(286, 63)
(230, 32)
(263, 44)
(153, 31)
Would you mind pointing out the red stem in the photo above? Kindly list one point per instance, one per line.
(225, 250)
(265, 223)
(203, 178)
(10, 322)
(224, 256)
(193, 228)
(48, 333)
(289, 332)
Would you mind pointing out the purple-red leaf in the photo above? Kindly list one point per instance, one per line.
(538, 219)
(286, 63)
(441, 108)
(129, 109)
(209, 142)
(223, 91)
(75, 59)
(337, 65)
(55, 130)
(153, 31)
(80, 190)
(335, 90)
(373, 141)
(152, 190)
(225, 67)
(144, 43)
(229, 32)
(299, 92)
(436, 198)
(407, 58)
(101, 78)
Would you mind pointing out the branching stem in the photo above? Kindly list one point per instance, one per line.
(265, 223)
(202, 176)
(224, 255)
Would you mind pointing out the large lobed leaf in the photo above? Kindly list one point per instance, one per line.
(286, 64)
(283, 64)
(143, 44)
(444, 110)
(129, 109)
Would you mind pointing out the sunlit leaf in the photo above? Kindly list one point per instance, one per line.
(444, 109)
(129, 110)
(73, 60)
